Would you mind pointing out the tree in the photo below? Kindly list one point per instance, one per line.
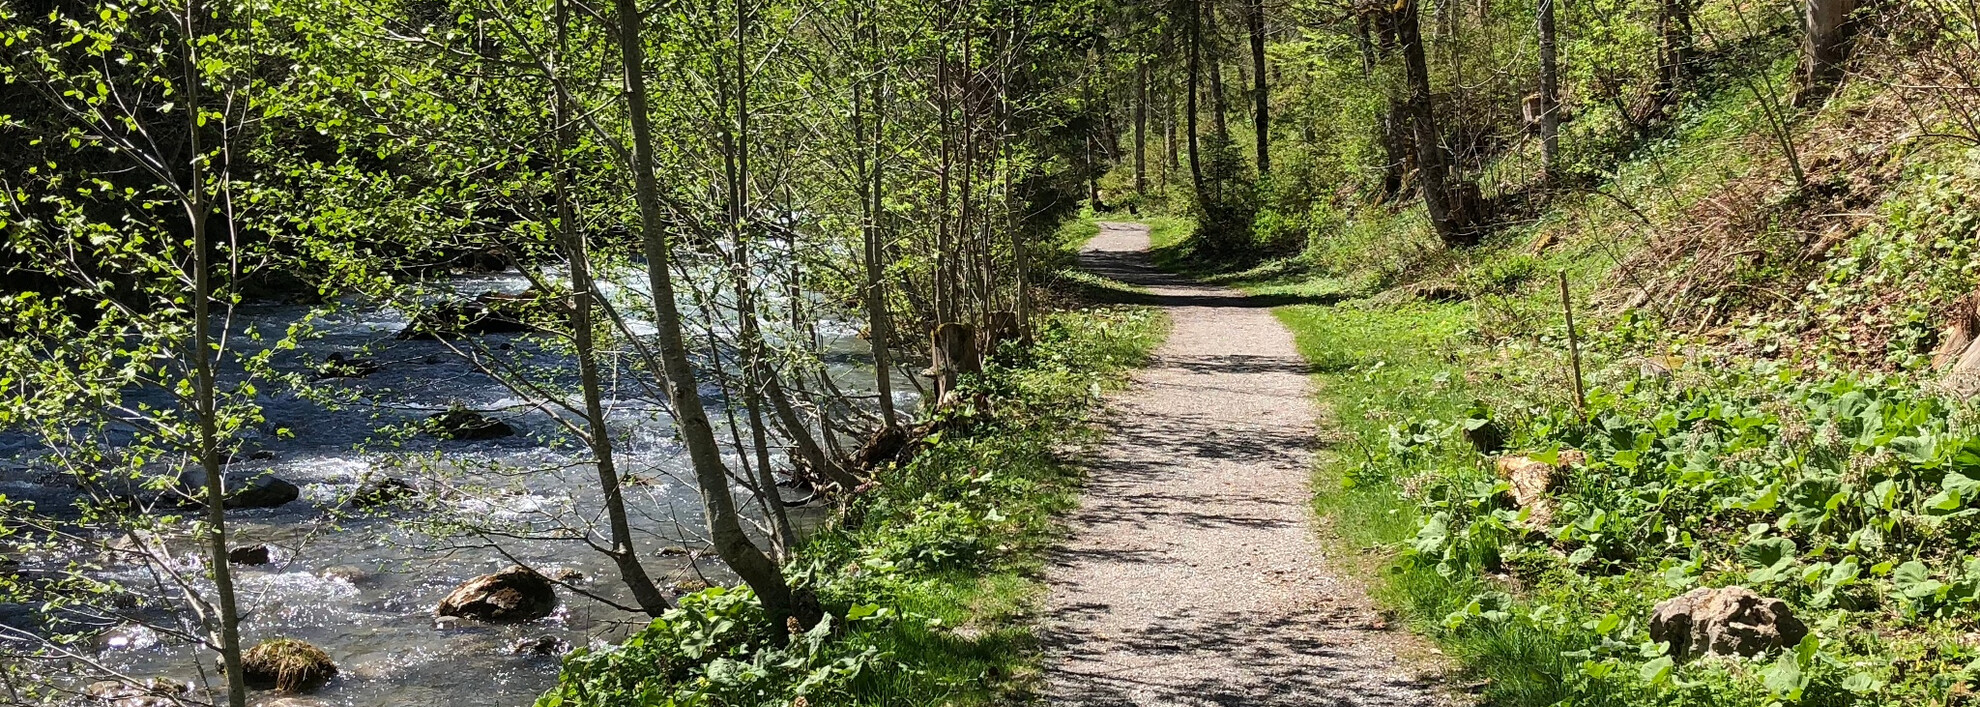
(1825, 45)
(1452, 203)
(1260, 97)
(1550, 90)
(748, 561)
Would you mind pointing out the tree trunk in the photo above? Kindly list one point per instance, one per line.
(1195, 87)
(1140, 129)
(1260, 99)
(1826, 45)
(1674, 27)
(624, 553)
(1377, 40)
(205, 406)
(1451, 205)
(1550, 90)
(725, 529)
(879, 323)
(1219, 107)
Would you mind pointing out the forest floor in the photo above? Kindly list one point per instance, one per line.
(1192, 574)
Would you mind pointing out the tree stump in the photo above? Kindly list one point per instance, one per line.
(952, 354)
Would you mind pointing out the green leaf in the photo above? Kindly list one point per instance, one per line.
(1772, 558)
(1862, 683)
(1914, 580)
(1657, 671)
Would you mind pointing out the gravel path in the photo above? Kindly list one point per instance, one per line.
(1193, 576)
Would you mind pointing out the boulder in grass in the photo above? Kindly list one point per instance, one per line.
(1724, 621)
(512, 595)
(287, 665)
(1531, 479)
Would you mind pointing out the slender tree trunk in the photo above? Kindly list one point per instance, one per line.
(1449, 204)
(624, 553)
(1260, 98)
(1376, 37)
(879, 323)
(1219, 106)
(205, 405)
(1189, 113)
(1550, 91)
(725, 528)
(752, 330)
(1140, 128)
(945, 300)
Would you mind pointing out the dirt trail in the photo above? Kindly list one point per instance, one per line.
(1193, 576)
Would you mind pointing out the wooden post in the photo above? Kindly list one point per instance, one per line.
(1574, 347)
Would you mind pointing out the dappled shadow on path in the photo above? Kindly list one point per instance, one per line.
(1135, 268)
(1334, 667)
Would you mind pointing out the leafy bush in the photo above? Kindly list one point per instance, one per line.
(708, 652)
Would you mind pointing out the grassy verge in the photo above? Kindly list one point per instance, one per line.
(931, 580)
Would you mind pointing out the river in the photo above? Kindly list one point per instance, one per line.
(363, 586)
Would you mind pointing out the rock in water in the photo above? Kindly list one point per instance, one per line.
(551, 646)
(287, 665)
(250, 555)
(156, 692)
(1724, 621)
(336, 365)
(511, 595)
(264, 492)
(374, 490)
(465, 424)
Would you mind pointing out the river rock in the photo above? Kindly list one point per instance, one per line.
(336, 365)
(1724, 621)
(156, 692)
(250, 555)
(487, 313)
(464, 424)
(550, 646)
(264, 492)
(511, 595)
(345, 573)
(287, 665)
(260, 491)
(377, 490)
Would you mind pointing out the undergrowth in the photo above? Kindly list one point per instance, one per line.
(931, 580)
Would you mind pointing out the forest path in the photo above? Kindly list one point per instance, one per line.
(1193, 575)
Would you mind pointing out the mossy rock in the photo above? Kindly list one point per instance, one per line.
(286, 664)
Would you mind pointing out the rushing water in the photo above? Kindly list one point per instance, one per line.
(363, 588)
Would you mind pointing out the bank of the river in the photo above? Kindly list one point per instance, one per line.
(931, 577)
